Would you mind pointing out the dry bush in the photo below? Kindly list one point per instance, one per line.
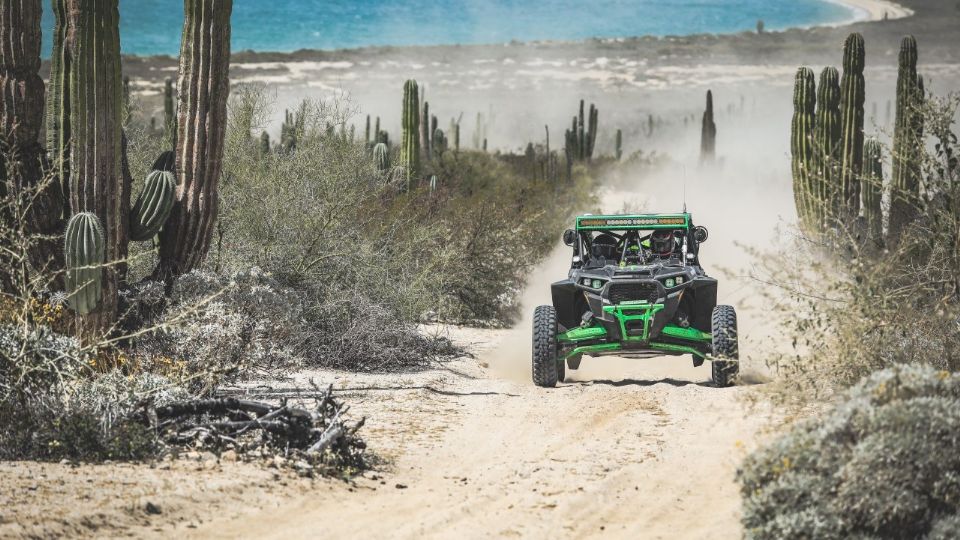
(881, 464)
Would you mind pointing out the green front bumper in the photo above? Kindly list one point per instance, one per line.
(628, 312)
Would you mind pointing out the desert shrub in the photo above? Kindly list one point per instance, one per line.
(881, 464)
(250, 323)
(89, 418)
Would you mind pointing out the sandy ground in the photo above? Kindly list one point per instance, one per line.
(621, 450)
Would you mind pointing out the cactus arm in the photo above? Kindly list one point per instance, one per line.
(851, 107)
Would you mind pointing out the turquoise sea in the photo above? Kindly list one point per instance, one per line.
(153, 26)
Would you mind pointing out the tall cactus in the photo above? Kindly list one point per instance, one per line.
(871, 186)
(439, 142)
(851, 111)
(264, 143)
(21, 119)
(410, 137)
(619, 144)
(426, 145)
(827, 140)
(366, 133)
(202, 118)
(802, 151)
(905, 178)
(381, 157)
(85, 247)
(708, 132)
(97, 183)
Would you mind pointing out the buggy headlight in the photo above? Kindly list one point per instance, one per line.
(679, 280)
(597, 284)
(592, 283)
(669, 282)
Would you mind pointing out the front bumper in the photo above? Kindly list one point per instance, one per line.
(633, 328)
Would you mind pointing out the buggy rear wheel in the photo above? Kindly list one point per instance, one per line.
(726, 350)
(545, 363)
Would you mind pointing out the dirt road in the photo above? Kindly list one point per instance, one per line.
(647, 454)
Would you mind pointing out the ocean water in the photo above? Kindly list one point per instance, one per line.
(153, 26)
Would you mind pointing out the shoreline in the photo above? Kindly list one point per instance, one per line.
(861, 11)
(869, 11)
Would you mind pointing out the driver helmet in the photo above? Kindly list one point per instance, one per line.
(662, 243)
(604, 246)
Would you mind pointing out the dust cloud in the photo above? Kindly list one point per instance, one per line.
(744, 199)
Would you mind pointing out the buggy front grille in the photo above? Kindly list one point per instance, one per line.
(625, 292)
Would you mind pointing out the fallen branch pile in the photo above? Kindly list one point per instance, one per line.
(319, 435)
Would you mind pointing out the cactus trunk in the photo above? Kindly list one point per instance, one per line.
(202, 118)
(21, 110)
(708, 132)
(827, 144)
(96, 142)
(802, 152)
(619, 145)
(851, 112)
(871, 186)
(905, 180)
(410, 137)
(58, 96)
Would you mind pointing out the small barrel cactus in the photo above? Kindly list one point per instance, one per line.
(84, 247)
(153, 206)
(381, 156)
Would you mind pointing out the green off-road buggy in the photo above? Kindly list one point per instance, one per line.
(635, 289)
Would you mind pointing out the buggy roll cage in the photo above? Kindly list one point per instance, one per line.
(690, 236)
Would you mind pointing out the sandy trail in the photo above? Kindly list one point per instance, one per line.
(650, 454)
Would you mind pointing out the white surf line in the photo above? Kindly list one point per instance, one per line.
(871, 10)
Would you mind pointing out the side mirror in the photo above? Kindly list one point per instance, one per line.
(569, 237)
(701, 234)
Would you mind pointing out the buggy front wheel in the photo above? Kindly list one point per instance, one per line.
(545, 364)
(726, 349)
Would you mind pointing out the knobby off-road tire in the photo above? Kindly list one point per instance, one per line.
(545, 364)
(725, 346)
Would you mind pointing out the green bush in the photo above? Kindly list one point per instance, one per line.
(881, 464)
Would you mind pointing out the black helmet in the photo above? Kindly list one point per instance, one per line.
(604, 246)
(662, 243)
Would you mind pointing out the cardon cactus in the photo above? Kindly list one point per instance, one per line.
(619, 145)
(708, 132)
(905, 177)
(381, 156)
(410, 136)
(439, 142)
(425, 144)
(201, 126)
(153, 206)
(433, 184)
(264, 143)
(871, 186)
(85, 249)
(802, 151)
(97, 181)
(851, 131)
(827, 138)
